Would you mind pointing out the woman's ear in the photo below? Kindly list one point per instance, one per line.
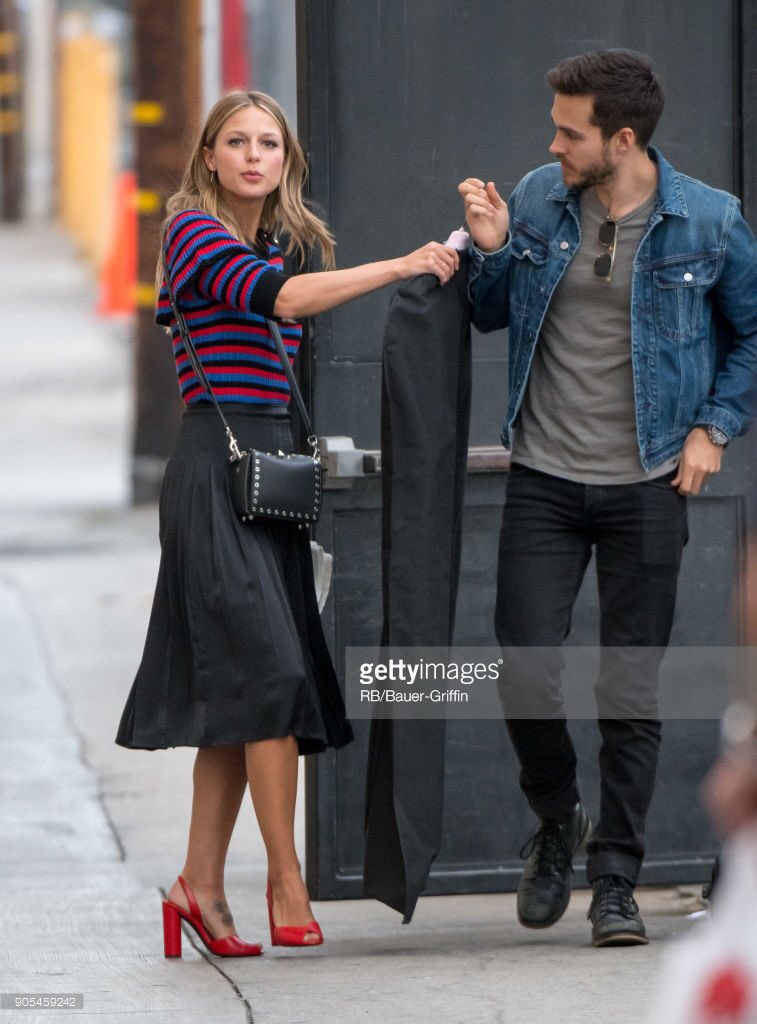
(209, 159)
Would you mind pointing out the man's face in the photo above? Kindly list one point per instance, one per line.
(584, 155)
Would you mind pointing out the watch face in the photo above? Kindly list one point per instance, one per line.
(717, 436)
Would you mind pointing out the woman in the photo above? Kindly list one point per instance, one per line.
(235, 662)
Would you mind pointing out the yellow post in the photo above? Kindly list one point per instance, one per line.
(88, 91)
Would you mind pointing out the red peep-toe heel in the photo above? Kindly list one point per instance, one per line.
(291, 935)
(230, 945)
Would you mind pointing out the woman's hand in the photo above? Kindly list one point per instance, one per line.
(486, 213)
(432, 258)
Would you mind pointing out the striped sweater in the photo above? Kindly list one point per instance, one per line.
(226, 292)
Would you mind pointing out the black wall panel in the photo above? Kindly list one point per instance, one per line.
(399, 100)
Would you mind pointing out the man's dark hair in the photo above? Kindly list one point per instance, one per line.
(627, 93)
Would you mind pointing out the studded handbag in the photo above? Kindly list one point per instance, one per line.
(269, 485)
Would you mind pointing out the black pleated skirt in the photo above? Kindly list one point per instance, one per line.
(235, 651)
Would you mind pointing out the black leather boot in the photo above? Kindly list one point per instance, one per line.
(614, 914)
(544, 890)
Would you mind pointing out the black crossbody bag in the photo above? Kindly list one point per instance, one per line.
(271, 485)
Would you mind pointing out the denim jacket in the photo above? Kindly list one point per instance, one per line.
(693, 302)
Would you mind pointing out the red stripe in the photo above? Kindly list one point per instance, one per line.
(231, 350)
(223, 350)
(179, 241)
(207, 241)
(260, 392)
(231, 284)
(193, 219)
(190, 219)
(268, 395)
(247, 290)
(243, 329)
(247, 329)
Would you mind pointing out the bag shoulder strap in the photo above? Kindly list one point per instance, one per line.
(194, 358)
(273, 327)
(202, 376)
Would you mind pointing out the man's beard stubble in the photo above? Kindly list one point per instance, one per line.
(595, 174)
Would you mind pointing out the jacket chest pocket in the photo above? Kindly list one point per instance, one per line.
(679, 290)
(529, 256)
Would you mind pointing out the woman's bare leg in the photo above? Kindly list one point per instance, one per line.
(272, 775)
(220, 777)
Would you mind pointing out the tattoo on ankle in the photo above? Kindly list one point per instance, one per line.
(222, 908)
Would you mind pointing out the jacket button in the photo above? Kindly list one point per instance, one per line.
(564, 245)
(688, 276)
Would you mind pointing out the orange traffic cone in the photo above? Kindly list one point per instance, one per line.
(119, 272)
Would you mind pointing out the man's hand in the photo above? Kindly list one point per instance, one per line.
(486, 213)
(700, 458)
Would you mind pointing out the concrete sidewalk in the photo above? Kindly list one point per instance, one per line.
(91, 832)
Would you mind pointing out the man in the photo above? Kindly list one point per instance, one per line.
(611, 270)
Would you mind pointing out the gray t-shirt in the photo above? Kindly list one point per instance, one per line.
(578, 417)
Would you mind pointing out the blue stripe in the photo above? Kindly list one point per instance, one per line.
(238, 378)
(215, 364)
(233, 337)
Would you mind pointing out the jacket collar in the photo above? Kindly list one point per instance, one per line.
(670, 197)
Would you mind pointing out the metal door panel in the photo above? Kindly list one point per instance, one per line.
(397, 102)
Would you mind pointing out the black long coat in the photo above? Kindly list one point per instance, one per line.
(425, 417)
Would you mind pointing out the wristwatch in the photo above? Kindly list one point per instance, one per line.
(716, 435)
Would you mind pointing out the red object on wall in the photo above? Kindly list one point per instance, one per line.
(235, 68)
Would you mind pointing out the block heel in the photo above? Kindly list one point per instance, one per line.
(171, 930)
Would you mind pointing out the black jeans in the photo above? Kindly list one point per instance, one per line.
(549, 527)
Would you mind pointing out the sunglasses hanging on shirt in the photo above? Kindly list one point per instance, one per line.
(608, 237)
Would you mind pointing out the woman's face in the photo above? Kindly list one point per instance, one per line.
(248, 154)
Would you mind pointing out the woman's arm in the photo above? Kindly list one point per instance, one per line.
(308, 294)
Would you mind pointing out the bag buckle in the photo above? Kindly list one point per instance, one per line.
(236, 455)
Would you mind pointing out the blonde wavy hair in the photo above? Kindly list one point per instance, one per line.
(284, 210)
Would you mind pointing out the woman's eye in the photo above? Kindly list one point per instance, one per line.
(271, 144)
(234, 142)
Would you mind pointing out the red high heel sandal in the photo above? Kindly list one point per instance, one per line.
(291, 935)
(231, 945)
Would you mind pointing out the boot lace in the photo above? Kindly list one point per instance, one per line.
(613, 895)
(548, 853)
